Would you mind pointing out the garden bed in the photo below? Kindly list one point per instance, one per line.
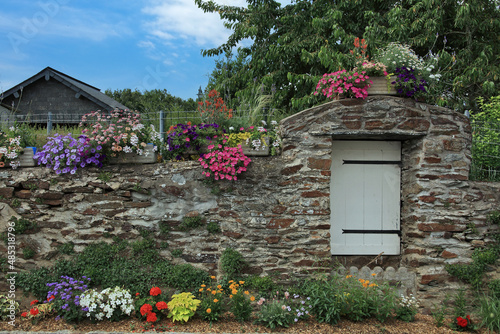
(422, 324)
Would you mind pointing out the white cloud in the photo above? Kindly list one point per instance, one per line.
(63, 21)
(183, 20)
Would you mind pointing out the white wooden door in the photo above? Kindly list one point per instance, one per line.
(365, 197)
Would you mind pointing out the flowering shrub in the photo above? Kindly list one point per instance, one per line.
(10, 148)
(283, 311)
(347, 83)
(214, 110)
(224, 162)
(407, 308)
(110, 303)
(151, 307)
(408, 84)
(184, 137)
(65, 297)
(120, 131)
(464, 324)
(64, 154)
(211, 305)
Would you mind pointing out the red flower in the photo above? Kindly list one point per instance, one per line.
(146, 308)
(34, 311)
(161, 306)
(34, 302)
(51, 297)
(137, 294)
(24, 314)
(155, 291)
(462, 322)
(151, 317)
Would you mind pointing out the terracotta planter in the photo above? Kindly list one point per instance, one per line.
(148, 157)
(380, 86)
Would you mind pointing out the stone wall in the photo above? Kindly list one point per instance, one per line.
(277, 214)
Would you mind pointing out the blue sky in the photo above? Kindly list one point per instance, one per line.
(111, 44)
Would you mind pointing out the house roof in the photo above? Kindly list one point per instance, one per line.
(92, 93)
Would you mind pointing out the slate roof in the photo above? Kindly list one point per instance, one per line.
(90, 92)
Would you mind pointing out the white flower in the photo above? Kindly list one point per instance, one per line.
(264, 122)
(231, 128)
(274, 123)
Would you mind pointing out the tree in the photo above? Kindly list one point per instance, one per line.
(292, 46)
(151, 101)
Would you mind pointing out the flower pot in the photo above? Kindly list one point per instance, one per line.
(380, 86)
(26, 159)
(249, 151)
(149, 156)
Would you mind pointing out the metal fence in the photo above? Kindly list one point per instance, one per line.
(485, 151)
(162, 120)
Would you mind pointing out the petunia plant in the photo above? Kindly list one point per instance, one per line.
(345, 83)
(183, 138)
(65, 154)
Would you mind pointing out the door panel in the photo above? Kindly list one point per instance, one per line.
(365, 197)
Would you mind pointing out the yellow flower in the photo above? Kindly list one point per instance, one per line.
(373, 285)
(234, 291)
(219, 286)
(230, 296)
(361, 280)
(252, 298)
(231, 281)
(374, 274)
(208, 289)
(214, 292)
(348, 276)
(242, 282)
(212, 277)
(201, 289)
(216, 300)
(203, 285)
(209, 310)
(246, 293)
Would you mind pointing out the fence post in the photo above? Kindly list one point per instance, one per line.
(162, 125)
(49, 123)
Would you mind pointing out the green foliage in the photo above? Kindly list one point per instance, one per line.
(15, 203)
(6, 306)
(469, 273)
(291, 46)
(335, 297)
(439, 312)
(486, 140)
(494, 217)
(185, 277)
(105, 176)
(240, 306)
(232, 262)
(213, 227)
(35, 281)
(164, 228)
(263, 284)
(189, 223)
(494, 288)
(489, 312)
(22, 225)
(67, 248)
(28, 253)
(176, 252)
(275, 314)
(182, 306)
